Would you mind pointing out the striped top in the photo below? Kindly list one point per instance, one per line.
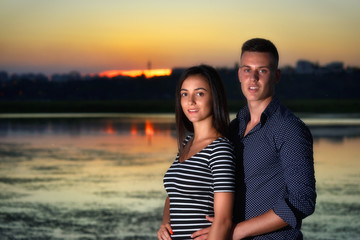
(191, 185)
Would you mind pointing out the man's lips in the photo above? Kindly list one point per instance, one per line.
(253, 88)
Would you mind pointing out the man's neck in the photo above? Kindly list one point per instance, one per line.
(256, 108)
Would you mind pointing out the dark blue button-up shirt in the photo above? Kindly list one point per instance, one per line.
(275, 168)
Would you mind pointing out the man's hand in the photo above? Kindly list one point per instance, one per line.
(203, 233)
(164, 232)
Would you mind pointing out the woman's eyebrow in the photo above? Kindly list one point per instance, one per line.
(201, 88)
(196, 89)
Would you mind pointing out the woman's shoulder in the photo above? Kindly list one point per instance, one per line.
(222, 142)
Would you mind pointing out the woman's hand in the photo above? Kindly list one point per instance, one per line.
(165, 228)
(164, 232)
(202, 234)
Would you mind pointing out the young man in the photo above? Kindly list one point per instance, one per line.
(276, 183)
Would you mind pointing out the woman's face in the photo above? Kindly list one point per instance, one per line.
(196, 99)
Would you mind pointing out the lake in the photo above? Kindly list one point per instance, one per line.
(99, 176)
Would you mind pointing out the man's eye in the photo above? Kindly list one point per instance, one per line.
(246, 70)
(263, 71)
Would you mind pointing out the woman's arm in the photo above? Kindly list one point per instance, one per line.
(222, 224)
(165, 228)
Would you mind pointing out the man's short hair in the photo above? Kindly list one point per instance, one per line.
(261, 45)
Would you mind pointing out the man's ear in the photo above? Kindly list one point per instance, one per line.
(239, 70)
(277, 75)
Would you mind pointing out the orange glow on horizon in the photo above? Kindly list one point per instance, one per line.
(133, 130)
(149, 128)
(110, 129)
(136, 73)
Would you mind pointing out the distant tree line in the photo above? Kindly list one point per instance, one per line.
(73, 86)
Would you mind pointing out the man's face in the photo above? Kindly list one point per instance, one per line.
(257, 76)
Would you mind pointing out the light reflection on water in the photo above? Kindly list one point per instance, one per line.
(102, 178)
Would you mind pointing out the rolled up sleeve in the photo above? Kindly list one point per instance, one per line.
(295, 146)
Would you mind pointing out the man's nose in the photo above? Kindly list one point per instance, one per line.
(254, 76)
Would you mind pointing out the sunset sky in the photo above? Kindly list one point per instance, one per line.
(91, 36)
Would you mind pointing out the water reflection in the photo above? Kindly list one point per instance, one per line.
(335, 133)
(90, 178)
(149, 131)
(131, 126)
(83, 178)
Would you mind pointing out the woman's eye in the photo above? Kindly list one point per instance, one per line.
(183, 94)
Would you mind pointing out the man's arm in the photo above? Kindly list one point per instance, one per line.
(295, 147)
(265, 223)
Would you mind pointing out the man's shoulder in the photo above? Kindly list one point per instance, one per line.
(240, 117)
(285, 123)
(286, 117)
(234, 122)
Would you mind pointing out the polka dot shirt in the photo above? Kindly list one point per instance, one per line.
(275, 168)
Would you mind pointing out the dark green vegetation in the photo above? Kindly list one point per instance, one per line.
(328, 92)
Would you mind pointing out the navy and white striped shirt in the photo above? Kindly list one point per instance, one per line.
(191, 185)
(275, 168)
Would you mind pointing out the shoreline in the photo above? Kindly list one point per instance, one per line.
(300, 106)
(311, 119)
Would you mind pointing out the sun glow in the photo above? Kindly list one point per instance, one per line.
(136, 73)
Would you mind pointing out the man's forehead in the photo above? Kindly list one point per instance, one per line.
(256, 59)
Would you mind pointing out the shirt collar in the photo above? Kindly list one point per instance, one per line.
(269, 110)
(244, 114)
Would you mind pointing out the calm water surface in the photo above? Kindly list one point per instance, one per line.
(101, 178)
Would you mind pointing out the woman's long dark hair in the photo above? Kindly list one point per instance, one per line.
(219, 103)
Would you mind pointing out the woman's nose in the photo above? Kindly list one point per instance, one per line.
(191, 99)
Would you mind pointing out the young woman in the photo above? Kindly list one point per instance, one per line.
(200, 182)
